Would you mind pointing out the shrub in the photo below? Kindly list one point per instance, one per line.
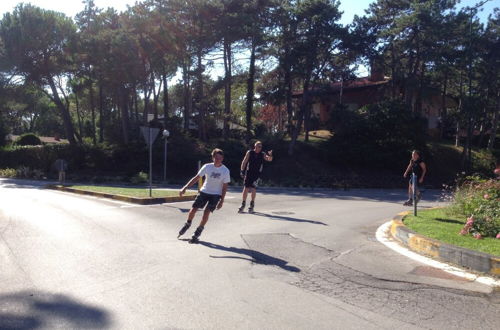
(23, 172)
(140, 177)
(8, 173)
(377, 135)
(480, 200)
(3, 131)
(28, 139)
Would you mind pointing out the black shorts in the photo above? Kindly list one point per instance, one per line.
(251, 180)
(202, 199)
(411, 183)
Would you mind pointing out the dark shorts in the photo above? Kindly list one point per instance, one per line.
(251, 180)
(411, 183)
(202, 199)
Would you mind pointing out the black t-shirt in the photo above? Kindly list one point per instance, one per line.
(255, 162)
(416, 168)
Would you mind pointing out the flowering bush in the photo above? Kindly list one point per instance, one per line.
(480, 227)
(480, 199)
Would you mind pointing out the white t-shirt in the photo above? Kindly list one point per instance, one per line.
(215, 177)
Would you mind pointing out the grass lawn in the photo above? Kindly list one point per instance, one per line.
(132, 192)
(444, 226)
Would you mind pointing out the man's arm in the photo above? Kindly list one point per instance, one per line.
(269, 156)
(245, 161)
(189, 184)
(424, 170)
(223, 194)
(407, 170)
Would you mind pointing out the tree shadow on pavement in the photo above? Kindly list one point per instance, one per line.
(376, 195)
(23, 184)
(279, 217)
(255, 256)
(28, 310)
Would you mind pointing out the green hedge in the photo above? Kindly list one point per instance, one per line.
(313, 164)
(183, 155)
(28, 139)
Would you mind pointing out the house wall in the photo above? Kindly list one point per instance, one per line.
(358, 95)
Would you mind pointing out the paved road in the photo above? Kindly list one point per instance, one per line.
(306, 260)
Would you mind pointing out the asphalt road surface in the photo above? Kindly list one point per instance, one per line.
(308, 259)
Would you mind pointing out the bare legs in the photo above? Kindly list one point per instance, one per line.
(253, 193)
(204, 220)
(410, 195)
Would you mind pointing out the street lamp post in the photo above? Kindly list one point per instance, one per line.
(166, 134)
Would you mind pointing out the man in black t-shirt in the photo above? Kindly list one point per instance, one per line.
(417, 167)
(251, 168)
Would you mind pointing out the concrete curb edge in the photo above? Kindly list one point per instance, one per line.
(474, 260)
(135, 200)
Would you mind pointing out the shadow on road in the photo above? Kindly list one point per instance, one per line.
(377, 195)
(25, 310)
(256, 256)
(23, 184)
(279, 217)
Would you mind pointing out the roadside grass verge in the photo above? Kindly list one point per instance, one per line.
(131, 192)
(444, 225)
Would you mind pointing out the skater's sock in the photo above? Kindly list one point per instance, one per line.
(243, 203)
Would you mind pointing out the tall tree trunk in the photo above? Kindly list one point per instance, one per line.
(156, 96)
(301, 114)
(443, 105)
(289, 92)
(199, 97)
(165, 100)
(68, 125)
(494, 126)
(78, 116)
(92, 110)
(124, 100)
(101, 113)
(466, 152)
(250, 91)
(187, 95)
(227, 86)
(147, 95)
(393, 73)
(420, 92)
(136, 104)
(460, 109)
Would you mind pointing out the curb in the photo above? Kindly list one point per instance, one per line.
(135, 200)
(477, 261)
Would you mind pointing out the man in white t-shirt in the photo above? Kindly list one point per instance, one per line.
(211, 194)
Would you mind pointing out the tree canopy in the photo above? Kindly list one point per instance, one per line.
(101, 75)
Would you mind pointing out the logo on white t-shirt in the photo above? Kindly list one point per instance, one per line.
(215, 177)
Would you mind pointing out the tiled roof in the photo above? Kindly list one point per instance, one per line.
(44, 139)
(357, 83)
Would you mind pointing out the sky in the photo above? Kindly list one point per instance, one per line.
(349, 7)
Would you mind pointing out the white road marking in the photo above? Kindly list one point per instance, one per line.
(384, 238)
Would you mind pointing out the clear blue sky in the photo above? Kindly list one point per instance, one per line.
(349, 7)
(358, 7)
